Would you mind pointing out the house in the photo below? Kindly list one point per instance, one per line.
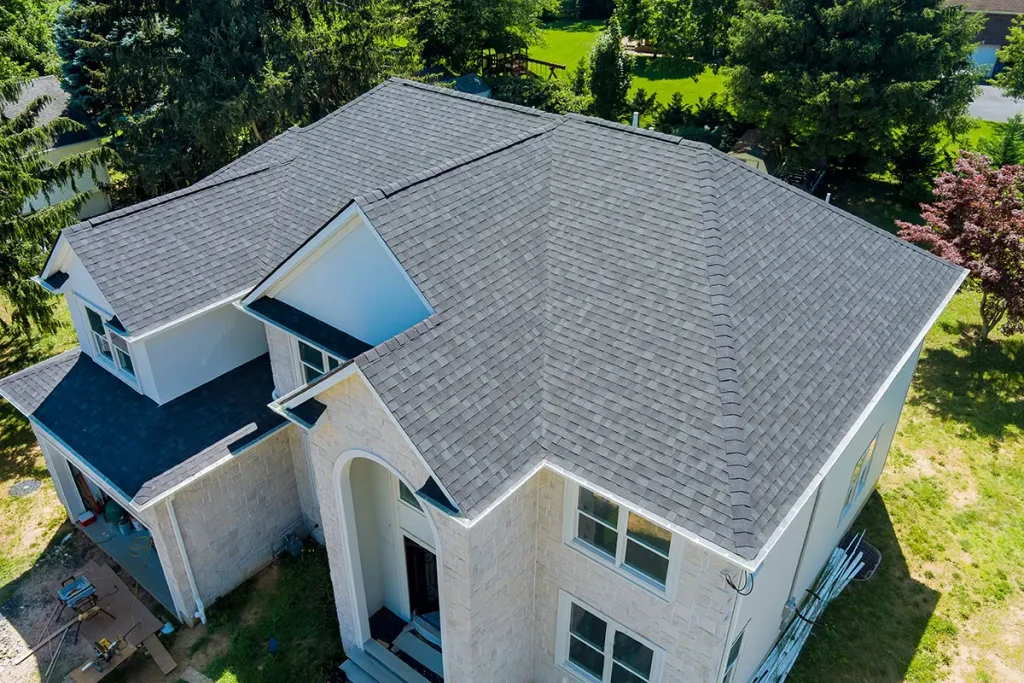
(999, 15)
(546, 415)
(66, 144)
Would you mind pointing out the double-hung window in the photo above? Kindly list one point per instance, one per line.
(596, 648)
(859, 478)
(623, 537)
(108, 345)
(315, 363)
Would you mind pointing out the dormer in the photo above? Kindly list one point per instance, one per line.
(339, 294)
(162, 363)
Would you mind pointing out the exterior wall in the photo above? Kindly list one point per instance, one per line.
(304, 482)
(826, 526)
(194, 352)
(97, 203)
(355, 420)
(691, 630)
(356, 285)
(282, 360)
(234, 519)
(760, 614)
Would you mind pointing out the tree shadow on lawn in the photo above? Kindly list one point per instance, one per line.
(982, 388)
(874, 630)
(664, 68)
(575, 25)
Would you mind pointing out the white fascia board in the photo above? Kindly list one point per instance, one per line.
(169, 493)
(57, 254)
(189, 316)
(338, 226)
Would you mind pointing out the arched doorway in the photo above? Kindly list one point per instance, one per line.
(395, 572)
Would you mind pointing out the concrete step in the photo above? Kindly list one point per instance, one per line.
(368, 670)
(408, 643)
(389, 660)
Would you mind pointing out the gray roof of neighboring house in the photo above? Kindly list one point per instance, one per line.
(697, 337)
(142, 448)
(57, 106)
(164, 258)
(995, 6)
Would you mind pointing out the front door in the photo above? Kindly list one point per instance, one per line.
(421, 568)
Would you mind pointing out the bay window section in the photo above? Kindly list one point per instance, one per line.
(109, 346)
(314, 362)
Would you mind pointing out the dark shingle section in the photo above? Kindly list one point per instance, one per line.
(328, 338)
(307, 412)
(57, 280)
(141, 447)
(163, 259)
(670, 335)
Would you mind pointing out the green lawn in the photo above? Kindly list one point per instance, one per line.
(564, 42)
(27, 524)
(948, 601)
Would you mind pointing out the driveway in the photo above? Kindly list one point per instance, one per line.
(993, 105)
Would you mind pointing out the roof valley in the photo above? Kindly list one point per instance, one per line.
(727, 364)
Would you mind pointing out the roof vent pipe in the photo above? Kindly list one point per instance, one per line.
(636, 119)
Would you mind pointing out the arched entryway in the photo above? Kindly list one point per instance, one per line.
(395, 571)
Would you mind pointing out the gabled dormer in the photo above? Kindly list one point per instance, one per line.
(339, 294)
(165, 362)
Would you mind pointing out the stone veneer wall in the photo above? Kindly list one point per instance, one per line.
(486, 570)
(233, 519)
(282, 360)
(692, 630)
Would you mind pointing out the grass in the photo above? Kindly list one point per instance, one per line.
(27, 524)
(948, 601)
(564, 42)
(292, 602)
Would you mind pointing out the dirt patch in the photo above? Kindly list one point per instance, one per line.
(997, 651)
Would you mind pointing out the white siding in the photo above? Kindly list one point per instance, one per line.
(194, 352)
(97, 203)
(356, 285)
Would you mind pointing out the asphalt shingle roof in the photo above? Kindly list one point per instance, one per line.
(688, 332)
(56, 106)
(143, 448)
(165, 258)
(697, 337)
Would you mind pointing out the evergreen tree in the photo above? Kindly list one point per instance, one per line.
(26, 40)
(1011, 78)
(25, 172)
(1006, 148)
(839, 81)
(183, 88)
(610, 72)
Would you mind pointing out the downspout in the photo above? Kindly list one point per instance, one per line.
(200, 609)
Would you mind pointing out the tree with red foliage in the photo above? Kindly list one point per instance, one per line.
(977, 221)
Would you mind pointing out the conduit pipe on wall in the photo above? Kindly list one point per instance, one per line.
(200, 609)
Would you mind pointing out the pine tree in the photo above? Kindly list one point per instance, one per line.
(25, 172)
(611, 73)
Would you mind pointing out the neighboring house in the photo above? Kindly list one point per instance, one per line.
(542, 410)
(999, 14)
(65, 145)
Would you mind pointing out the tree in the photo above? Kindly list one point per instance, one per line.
(838, 81)
(710, 121)
(977, 221)
(26, 41)
(643, 103)
(25, 172)
(1006, 147)
(610, 72)
(555, 95)
(697, 30)
(636, 18)
(1011, 78)
(183, 88)
(455, 33)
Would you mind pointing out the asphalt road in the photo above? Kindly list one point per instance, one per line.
(992, 105)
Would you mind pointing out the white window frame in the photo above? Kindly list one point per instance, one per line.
(116, 349)
(565, 602)
(730, 665)
(570, 528)
(325, 359)
(859, 476)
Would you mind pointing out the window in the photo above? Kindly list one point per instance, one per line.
(99, 333)
(315, 363)
(110, 346)
(594, 646)
(623, 537)
(407, 496)
(734, 654)
(859, 478)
